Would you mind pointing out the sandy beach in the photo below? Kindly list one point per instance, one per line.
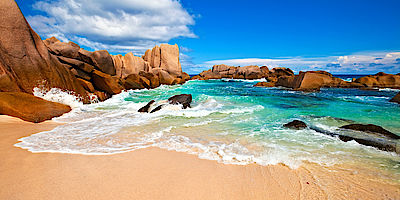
(160, 174)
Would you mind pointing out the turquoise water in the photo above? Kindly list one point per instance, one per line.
(232, 122)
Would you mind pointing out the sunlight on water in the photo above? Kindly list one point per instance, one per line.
(231, 122)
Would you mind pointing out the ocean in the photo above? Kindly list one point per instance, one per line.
(230, 121)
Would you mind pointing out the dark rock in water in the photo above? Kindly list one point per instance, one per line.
(184, 99)
(157, 108)
(382, 144)
(372, 129)
(296, 124)
(146, 107)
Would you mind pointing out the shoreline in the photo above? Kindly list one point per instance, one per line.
(154, 173)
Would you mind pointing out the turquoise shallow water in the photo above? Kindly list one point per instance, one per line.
(232, 122)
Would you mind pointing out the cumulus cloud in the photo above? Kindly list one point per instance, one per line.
(359, 63)
(119, 25)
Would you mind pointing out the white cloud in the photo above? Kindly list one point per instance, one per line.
(117, 24)
(360, 63)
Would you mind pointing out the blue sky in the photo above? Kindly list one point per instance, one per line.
(343, 37)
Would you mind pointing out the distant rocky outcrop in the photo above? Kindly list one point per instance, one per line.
(396, 98)
(30, 108)
(313, 81)
(247, 72)
(380, 80)
(25, 62)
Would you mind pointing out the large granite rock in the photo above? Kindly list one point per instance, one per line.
(135, 81)
(247, 72)
(132, 65)
(170, 59)
(396, 98)
(25, 62)
(70, 50)
(30, 108)
(380, 80)
(105, 62)
(264, 84)
(105, 82)
(312, 81)
(281, 71)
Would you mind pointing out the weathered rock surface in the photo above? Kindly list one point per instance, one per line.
(396, 98)
(313, 81)
(30, 108)
(379, 143)
(264, 84)
(184, 99)
(105, 82)
(371, 128)
(146, 107)
(25, 62)
(134, 81)
(380, 80)
(170, 59)
(247, 72)
(105, 62)
(296, 124)
(158, 66)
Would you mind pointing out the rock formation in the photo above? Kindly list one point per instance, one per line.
(25, 62)
(296, 124)
(30, 108)
(146, 107)
(380, 80)
(308, 81)
(247, 72)
(313, 81)
(371, 128)
(184, 99)
(396, 98)
(110, 74)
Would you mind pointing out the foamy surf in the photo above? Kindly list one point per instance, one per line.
(230, 122)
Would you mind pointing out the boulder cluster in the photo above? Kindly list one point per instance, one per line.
(103, 74)
(315, 80)
(247, 72)
(27, 62)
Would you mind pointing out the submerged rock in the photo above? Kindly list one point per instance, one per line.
(371, 128)
(379, 143)
(146, 107)
(184, 99)
(30, 108)
(296, 124)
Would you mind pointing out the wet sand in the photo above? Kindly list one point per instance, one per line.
(155, 173)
